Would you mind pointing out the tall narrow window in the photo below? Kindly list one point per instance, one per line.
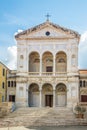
(3, 85)
(3, 72)
(8, 83)
(14, 83)
(2, 98)
(80, 83)
(11, 83)
(84, 83)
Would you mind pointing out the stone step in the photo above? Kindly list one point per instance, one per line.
(42, 116)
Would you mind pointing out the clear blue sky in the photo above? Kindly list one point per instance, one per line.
(23, 14)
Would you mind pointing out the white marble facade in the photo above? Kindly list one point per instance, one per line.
(47, 66)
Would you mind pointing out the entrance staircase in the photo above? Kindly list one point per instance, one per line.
(42, 117)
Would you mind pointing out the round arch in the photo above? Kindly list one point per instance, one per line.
(32, 51)
(34, 61)
(46, 52)
(61, 62)
(47, 87)
(30, 84)
(33, 95)
(47, 61)
(61, 94)
(47, 95)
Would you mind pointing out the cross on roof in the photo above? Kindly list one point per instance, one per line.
(48, 16)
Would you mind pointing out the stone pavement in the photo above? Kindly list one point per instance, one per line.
(15, 128)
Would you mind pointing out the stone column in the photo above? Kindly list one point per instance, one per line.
(40, 64)
(40, 105)
(27, 61)
(27, 95)
(54, 95)
(54, 65)
(28, 65)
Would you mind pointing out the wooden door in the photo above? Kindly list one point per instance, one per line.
(49, 100)
(83, 98)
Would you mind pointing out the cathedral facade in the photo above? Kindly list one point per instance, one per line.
(47, 66)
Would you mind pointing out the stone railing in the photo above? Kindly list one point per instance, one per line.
(60, 74)
(47, 73)
(33, 73)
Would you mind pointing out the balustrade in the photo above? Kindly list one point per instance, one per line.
(48, 73)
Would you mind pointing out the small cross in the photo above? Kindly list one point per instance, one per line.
(48, 16)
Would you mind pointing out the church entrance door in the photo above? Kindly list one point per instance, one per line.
(49, 100)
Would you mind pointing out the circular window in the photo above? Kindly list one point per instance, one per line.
(47, 33)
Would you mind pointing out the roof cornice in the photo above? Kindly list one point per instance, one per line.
(47, 23)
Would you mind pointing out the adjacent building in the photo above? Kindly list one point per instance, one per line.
(83, 86)
(11, 85)
(3, 82)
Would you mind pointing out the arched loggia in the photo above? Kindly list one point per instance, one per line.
(47, 95)
(61, 62)
(34, 62)
(61, 95)
(33, 95)
(47, 62)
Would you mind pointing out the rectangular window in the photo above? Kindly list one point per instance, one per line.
(3, 72)
(11, 83)
(80, 83)
(49, 69)
(84, 83)
(14, 83)
(3, 85)
(8, 83)
(2, 98)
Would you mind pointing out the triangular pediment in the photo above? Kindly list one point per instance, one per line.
(47, 30)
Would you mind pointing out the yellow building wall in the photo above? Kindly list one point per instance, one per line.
(3, 91)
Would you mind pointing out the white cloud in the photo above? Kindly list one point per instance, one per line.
(19, 31)
(84, 37)
(83, 51)
(11, 57)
